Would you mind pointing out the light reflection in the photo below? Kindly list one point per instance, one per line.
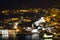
(35, 36)
(48, 39)
(28, 37)
(5, 34)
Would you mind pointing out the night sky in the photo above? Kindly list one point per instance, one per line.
(18, 4)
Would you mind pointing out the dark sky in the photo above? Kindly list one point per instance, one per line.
(17, 4)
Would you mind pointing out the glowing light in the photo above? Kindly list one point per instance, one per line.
(43, 28)
(37, 23)
(54, 15)
(46, 36)
(54, 33)
(47, 19)
(44, 10)
(48, 39)
(3, 11)
(15, 25)
(39, 27)
(35, 36)
(42, 19)
(5, 34)
(28, 28)
(27, 20)
(14, 18)
(34, 30)
(17, 30)
(47, 12)
(54, 23)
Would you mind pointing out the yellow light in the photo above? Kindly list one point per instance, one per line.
(3, 11)
(54, 23)
(54, 15)
(24, 10)
(17, 30)
(56, 26)
(35, 11)
(47, 19)
(14, 18)
(27, 20)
